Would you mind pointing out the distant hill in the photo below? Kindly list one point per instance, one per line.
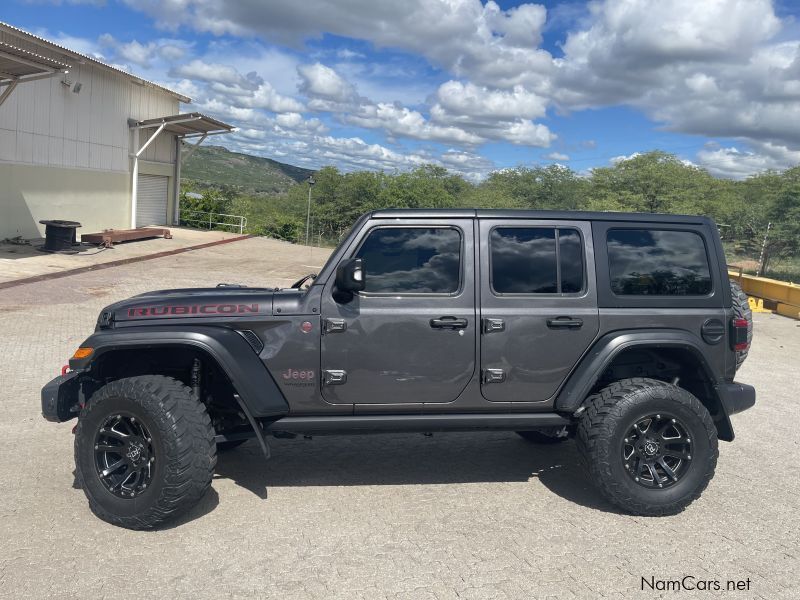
(215, 166)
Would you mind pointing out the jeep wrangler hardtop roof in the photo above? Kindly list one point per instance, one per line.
(494, 213)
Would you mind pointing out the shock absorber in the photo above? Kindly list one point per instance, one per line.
(196, 378)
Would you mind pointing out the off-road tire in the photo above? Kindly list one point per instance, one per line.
(544, 437)
(607, 417)
(742, 310)
(183, 448)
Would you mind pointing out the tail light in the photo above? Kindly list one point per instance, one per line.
(739, 334)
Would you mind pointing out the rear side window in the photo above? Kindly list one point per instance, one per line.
(652, 262)
(536, 260)
(412, 260)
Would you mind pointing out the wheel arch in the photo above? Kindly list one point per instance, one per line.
(612, 350)
(229, 351)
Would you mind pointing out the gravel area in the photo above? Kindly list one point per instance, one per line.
(460, 515)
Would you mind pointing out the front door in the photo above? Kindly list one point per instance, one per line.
(409, 337)
(538, 306)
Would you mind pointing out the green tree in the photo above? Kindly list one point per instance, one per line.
(553, 187)
(654, 182)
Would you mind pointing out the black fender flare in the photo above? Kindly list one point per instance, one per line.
(258, 393)
(602, 353)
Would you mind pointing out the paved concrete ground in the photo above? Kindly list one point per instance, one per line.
(23, 260)
(393, 516)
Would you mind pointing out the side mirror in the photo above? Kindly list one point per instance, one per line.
(350, 278)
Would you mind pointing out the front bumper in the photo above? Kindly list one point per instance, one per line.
(736, 397)
(61, 397)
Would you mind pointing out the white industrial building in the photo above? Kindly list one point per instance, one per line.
(84, 141)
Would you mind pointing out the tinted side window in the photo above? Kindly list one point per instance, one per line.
(525, 260)
(657, 262)
(571, 257)
(412, 260)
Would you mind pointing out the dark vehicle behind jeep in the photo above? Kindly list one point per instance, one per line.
(619, 330)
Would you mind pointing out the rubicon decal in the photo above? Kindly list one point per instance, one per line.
(192, 309)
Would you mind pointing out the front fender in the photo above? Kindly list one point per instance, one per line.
(249, 376)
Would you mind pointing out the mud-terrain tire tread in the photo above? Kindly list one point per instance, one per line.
(742, 310)
(595, 430)
(189, 447)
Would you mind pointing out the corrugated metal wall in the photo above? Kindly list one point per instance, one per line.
(44, 123)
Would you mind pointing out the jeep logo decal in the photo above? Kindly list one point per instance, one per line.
(292, 374)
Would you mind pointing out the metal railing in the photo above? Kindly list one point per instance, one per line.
(201, 219)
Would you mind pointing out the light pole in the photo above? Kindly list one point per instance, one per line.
(311, 182)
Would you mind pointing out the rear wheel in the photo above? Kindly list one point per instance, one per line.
(144, 451)
(650, 447)
(742, 310)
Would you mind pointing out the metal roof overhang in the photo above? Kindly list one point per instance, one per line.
(52, 51)
(187, 125)
(18, 66)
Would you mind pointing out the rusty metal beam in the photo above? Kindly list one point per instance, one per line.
(114, 236)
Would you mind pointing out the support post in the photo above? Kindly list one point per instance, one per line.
(8, 91)
(176, 217)
(178, 162)
(763, 258)
(311, 182)
(135, 178)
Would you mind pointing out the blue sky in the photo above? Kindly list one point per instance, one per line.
(468, 84)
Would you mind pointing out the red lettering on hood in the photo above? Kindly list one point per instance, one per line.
(191, 309)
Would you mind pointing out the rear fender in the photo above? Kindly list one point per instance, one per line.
(583, 379)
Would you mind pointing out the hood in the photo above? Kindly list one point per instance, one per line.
(194, 303)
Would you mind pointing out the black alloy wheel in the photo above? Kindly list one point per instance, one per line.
(650, 447)
(657, 451)
(124, 455)
(144, 451)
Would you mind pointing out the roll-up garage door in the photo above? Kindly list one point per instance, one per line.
(151, 204)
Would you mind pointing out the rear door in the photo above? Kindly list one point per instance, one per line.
(538, 305)
(410, 337)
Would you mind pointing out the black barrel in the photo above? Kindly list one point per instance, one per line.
(59, 235)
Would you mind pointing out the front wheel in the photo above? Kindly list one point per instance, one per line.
(144, 451)
(650, 447)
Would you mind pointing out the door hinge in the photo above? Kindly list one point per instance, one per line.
(334, 377)
(494, 376)
(491, 324)
(334, 325)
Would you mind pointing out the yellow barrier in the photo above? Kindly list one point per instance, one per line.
(769, 289)
(788, 310)
(781, 293)
(757, 305)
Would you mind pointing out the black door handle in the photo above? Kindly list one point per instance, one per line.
(564, 323)
(449, 323)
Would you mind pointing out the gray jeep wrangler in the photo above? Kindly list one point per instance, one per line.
(619, 330)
